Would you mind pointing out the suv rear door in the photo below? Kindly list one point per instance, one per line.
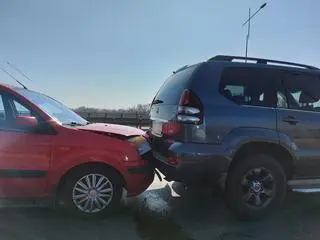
(164, 107)
(298, 116)
(165, 104)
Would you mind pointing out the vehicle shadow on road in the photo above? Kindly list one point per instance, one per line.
(42, 223)
(199, 212)
(163, 213)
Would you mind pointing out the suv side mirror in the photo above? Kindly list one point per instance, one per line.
(26, 121)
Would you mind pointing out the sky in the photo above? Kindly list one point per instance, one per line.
(116, 54)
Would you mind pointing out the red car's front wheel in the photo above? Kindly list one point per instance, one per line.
(92, 192)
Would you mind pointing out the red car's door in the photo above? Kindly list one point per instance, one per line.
(25, 155)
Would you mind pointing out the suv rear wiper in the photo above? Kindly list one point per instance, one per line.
(157, 101)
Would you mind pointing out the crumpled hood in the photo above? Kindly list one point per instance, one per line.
(116, 129)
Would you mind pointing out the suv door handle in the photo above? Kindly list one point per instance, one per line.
(290, 120)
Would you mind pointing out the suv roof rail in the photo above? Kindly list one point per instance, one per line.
(259, 61)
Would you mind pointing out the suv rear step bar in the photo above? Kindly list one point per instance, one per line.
(305, 185)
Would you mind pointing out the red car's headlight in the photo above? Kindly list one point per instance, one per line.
(141, 144)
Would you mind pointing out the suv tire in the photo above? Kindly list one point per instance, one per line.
(255, 187)
(91, 185)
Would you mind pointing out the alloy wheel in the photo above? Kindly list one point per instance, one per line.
(92, 193)
(258, 187)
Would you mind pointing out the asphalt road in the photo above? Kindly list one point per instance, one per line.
(164, 213)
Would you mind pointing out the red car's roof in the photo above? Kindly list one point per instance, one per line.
(9, 86)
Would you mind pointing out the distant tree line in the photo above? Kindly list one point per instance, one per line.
(140, 108)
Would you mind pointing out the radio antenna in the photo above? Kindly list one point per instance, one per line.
(14, 78)
(15, 68)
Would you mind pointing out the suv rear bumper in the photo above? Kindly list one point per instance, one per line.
(195, 162)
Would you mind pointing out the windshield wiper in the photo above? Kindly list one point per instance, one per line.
(157, 101)
(74, 124)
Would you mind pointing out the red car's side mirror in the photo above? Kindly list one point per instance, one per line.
(26, 121)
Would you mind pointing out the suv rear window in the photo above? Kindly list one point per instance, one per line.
(248, 86)
(172, 88)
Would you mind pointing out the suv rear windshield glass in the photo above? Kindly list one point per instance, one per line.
(172, 88)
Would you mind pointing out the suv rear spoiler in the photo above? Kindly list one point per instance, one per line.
(180, 69)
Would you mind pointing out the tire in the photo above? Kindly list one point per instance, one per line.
(74, 196)
(246, 184)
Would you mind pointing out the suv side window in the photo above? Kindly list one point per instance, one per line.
(248, 86)
(303, 92)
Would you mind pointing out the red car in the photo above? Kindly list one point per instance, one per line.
(49, 154)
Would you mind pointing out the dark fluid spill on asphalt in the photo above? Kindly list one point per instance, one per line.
(150, 227)
(152, 218)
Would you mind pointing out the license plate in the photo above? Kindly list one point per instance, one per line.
(157, 128)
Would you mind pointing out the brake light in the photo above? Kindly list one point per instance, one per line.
(189, 99)
(170, 128)
(190, 108)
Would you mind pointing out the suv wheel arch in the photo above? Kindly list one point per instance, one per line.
(279, 152)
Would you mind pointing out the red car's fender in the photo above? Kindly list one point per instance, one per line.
(61, 167)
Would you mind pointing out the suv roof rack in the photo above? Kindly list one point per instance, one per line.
(259, 61)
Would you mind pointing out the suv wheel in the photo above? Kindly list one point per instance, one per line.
(92, 192)
(255, 187)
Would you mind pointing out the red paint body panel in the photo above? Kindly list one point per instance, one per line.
(56, 154)
(114, 128)
(24, 152)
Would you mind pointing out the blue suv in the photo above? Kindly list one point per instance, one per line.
(251, 124)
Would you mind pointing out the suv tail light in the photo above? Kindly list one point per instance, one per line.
(190, 108)
(171, 128)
